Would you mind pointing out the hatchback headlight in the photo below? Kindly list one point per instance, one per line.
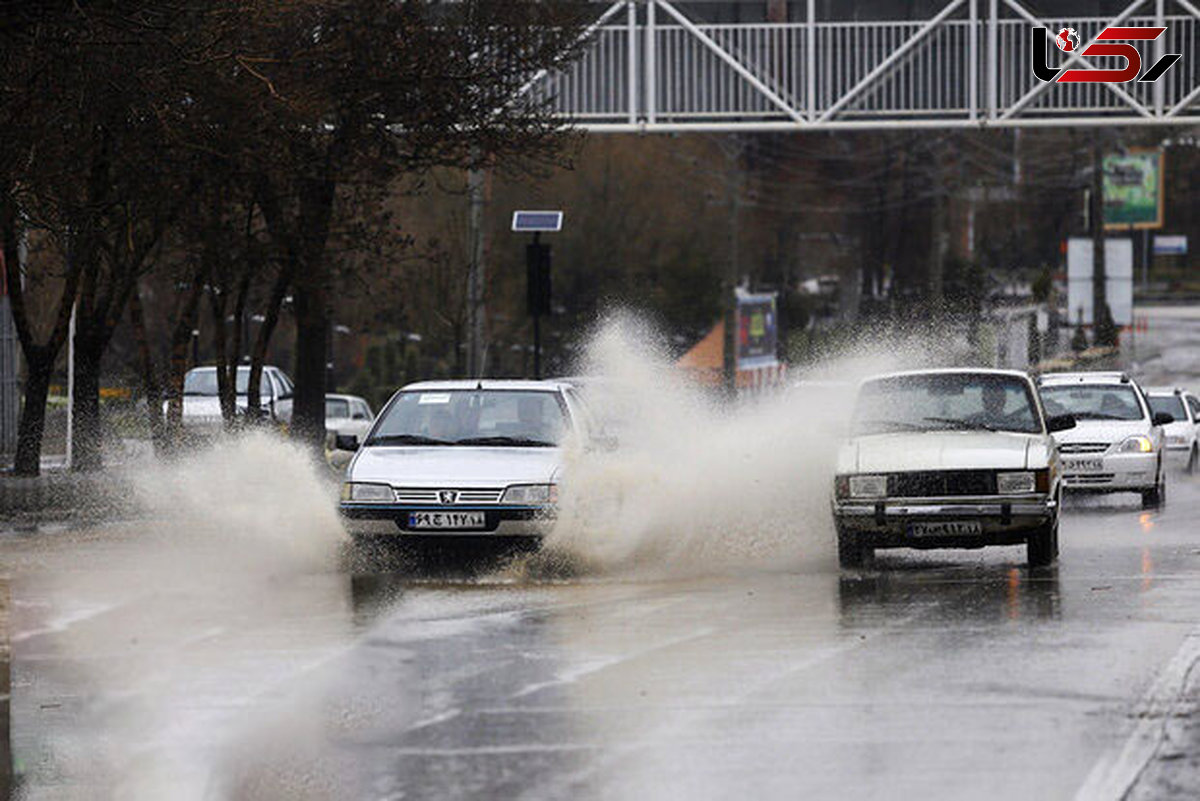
(1135, 444)
(867, 486)
(531, 494)
(352, 491)
(1015, 483)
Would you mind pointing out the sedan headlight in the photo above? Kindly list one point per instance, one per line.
(1135, 444)
(867, 486)
(352, 491)
(1176, 441)
(1015, 483)
(531, 494)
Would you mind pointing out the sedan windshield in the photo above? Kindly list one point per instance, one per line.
(946, 401)
(1171, 404)
(472, 417)
(204, 382)
(1093, 401)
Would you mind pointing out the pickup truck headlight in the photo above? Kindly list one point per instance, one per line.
(352, 491)
(531, 494)
(1015, 483)
(1135, 444)
(866, 486)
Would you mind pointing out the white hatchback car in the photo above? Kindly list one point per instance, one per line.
(948, 459)
(463, 458)
(1182, 448)
(1117, 444)
(202, 405)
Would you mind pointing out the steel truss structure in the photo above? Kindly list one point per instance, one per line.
(648, 67)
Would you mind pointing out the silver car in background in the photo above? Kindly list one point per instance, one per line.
(202, 405)
(1181, 445)
(347, 415)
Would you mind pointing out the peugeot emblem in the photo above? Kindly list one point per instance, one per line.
(448, 497)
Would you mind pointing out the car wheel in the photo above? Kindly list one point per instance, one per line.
(1041, 548)
(1156, 498)
(851, 553)
(1191, 463)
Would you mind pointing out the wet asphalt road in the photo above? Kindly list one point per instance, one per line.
(939, 675)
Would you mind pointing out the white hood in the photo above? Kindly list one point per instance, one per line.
(453, 466)
(941, 450)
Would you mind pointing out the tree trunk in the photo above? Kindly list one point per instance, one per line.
(86, 426)
(33, 416)
(177, 364)
(312, 333)
(150, 384)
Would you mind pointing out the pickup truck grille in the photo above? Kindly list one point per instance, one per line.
(941, 483)
(1083, 447)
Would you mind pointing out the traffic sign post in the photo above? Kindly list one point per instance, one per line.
(537, 270)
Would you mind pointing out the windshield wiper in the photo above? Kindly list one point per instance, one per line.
(405, 439)
(901, 424)
(965, 425)
(1097, 416)
(502, 440)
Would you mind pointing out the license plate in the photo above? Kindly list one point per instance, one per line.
(956, 528)
(446, 520)
(1083, 465)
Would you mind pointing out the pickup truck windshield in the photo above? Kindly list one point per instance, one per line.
(513, 418)
(946, 402)
(1093, 401)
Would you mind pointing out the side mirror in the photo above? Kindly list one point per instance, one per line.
(1162, 418)
(346, 442)
(1060, 422)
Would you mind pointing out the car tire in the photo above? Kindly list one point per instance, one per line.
(851, 552)
(1193, 456)
(1156, 498)
(1041, 548)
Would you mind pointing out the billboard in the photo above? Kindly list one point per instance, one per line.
(758, 329)
(1118, 284)
(1133, 190)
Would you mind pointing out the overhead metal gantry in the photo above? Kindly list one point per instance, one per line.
(648, 67)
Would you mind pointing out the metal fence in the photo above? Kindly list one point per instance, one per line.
(647, 66)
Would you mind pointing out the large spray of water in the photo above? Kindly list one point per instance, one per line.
(696, 485)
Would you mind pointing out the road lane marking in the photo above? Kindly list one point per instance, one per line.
(1118, 770)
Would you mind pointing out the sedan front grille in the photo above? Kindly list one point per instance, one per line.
(941, 483)
(1083, 447)
(433, 497)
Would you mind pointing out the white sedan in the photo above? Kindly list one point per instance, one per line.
(463, 458)
(949, 459)
(1117, 445)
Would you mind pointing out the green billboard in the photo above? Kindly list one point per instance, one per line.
(1133, 190)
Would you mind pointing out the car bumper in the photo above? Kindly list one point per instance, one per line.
(1126, 472)
(889, 523)
(499, 521)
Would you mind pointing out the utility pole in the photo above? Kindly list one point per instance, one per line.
(937, 244)
(476, 186)
(733, 157)
(1096, 214)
